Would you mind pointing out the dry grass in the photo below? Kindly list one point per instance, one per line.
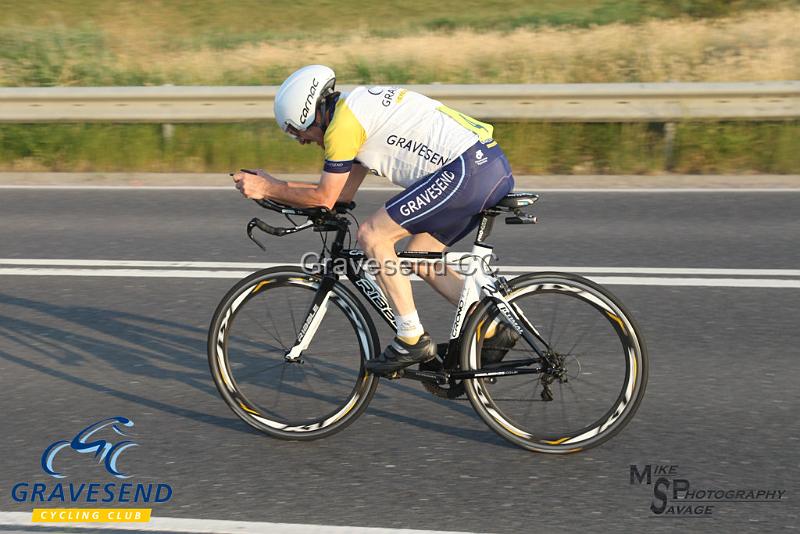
(754, 46)
(172, 42)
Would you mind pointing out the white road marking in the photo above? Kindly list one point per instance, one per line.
(140, 263)
(696, 282)
(652, 270)
(123, 273)
(395, 189)
(58, 262)
(238, 270)
(209, 526)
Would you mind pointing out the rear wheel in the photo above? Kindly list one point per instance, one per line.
(599, 374)
(255, 327)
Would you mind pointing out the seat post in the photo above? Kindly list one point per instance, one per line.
(485, 226)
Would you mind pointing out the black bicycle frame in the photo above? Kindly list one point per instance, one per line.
(371, 291)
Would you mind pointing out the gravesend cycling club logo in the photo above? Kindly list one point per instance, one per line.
(101, 446)
(104, 451)
(675, 496)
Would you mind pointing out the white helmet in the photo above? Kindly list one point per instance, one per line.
(297, 99)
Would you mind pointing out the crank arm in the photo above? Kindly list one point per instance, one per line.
(425, 376)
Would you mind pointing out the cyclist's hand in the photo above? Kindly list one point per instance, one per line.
(251, 186)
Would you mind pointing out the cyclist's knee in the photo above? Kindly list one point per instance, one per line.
(368, 234)
(380, 230)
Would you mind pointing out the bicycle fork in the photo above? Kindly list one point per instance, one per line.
(316, 312)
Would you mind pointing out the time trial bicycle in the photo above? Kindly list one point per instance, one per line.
(287, 346)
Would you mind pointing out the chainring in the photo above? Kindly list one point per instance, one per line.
(452, 390)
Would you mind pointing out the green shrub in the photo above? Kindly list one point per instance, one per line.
(533, 148)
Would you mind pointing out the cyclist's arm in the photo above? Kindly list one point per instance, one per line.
(354, 180)
(307, 195)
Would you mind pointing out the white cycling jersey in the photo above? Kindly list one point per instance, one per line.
(397, 133)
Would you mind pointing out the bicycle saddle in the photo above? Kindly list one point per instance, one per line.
(517, 200)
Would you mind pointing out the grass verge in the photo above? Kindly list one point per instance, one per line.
(533, 148)
(217, 42)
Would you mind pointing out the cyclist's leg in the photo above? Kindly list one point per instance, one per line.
(411, 344)
(445, 280)
(445, 204)
(377, 236)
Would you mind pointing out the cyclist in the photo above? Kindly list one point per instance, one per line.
(448, 164)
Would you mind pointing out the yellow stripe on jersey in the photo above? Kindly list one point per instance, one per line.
(344, 135)
(481, 129)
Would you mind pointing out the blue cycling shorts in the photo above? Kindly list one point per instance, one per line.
(447, 202)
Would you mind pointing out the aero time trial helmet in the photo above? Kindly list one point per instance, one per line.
(298, 97)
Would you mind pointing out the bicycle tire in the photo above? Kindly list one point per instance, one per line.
(504, 417)
(223, 338)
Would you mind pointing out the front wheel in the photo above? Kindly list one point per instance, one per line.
(592, 380)
(250, 340)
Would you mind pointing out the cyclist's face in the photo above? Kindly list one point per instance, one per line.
(313, 134)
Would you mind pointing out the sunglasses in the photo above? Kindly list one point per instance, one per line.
(292, 131)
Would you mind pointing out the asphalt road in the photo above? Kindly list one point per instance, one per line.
(721, 403)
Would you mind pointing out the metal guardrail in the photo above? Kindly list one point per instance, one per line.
(654, 102)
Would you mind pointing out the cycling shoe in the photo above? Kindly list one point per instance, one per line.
(400, 354)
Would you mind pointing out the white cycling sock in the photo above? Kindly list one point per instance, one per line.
(409, 329)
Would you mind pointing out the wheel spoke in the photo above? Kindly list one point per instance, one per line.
(570, 317)
(588, 376)
(520, 384)
(303, 394)
(272, 320)
(580, 338)
(324, 377)
(242, 378)
(553, 321)
(291, 314)
(280, 387)
(263, 328)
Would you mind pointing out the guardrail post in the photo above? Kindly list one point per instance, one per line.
(167, 130)
(669, 145)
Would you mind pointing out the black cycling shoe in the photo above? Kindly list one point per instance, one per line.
(495, 348)
(400, 354)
